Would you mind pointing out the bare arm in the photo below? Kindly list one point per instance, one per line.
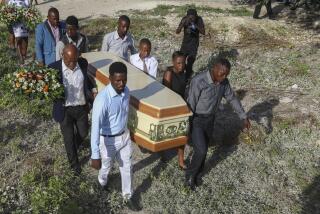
(182, 22)
(167, 79)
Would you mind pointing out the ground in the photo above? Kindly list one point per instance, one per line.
(272, 169)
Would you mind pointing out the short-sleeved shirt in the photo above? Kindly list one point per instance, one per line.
(190, 42)
(112, 42)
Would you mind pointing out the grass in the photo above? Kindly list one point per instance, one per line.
(164, 10)
(258, 37)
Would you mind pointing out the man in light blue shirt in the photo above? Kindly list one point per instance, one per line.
(110, 138)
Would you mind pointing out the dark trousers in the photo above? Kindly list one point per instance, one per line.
(202, 128)
(74, 129)
(258, 7)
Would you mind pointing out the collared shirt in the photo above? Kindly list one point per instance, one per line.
(109, 116)
(60, 45)
(112, 42)
(73, 86)
(205, 96)
(151, 63)
(55, 32)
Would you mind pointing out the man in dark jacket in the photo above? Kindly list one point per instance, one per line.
(72, 111)
(47, 35)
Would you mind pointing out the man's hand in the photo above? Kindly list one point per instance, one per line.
(94, 94)
(246, 124)
(96, 163)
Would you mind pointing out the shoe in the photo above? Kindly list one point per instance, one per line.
(198, 180)
(190, 183)
(272, 17)
(131, 204)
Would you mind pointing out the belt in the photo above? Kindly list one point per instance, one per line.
(113, 135)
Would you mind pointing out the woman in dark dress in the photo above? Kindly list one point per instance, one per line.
(175, 79)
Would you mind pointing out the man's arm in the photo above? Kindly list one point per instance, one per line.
(167, 79)
(105, 44)
(194, 94)
(39, 44)
(181, 25)
(86, 44)
(98, 114)
(131, 47)
(236, 105)
(59, 50)
(200, 26)
(154, 68)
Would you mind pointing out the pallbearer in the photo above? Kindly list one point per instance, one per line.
(72, 111)
(205, 94)
(110, 138)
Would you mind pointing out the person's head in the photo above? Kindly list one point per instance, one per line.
(220, 70)
(118, 76)
(70, 56)
(179, 61)
(123, 25)
(53, 16)
(144, 48)
(72, 26)
(192, 14)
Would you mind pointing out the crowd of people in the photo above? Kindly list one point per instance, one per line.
(59, 45)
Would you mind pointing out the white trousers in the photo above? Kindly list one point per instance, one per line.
(118, 148)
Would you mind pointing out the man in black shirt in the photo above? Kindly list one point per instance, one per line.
(192, 25)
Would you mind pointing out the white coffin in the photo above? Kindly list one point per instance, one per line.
(158, 117)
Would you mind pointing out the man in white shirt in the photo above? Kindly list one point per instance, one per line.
(72, 111)
(120, 41)
(143, 60)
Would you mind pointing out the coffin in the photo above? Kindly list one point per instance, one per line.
(158, 117)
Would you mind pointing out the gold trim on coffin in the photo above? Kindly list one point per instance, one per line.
(160, 135)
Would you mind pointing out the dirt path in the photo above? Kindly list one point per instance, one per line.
(85, 9)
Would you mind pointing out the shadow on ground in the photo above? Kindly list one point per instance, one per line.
(311, 197)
